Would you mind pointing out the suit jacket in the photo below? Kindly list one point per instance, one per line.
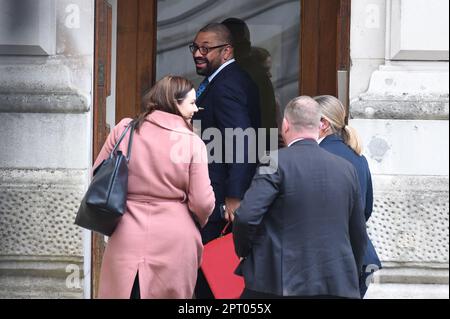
(301, 229)
(231, 100)
(335, 144)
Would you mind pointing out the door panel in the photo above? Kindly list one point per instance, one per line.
(325, 48)
(318, 47)
(136, 42)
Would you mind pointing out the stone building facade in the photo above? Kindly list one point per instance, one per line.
(398, 102)
(46, 62)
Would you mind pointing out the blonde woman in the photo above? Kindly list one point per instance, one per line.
(342, 140)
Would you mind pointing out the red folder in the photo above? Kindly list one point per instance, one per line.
(218, 265)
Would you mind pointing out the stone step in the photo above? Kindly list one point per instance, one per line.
(407, 291)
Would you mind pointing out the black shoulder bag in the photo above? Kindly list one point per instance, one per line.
(105, 200)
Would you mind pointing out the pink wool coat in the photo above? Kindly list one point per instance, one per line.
(168, 187)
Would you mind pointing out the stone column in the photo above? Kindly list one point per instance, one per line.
(399, 105)
(46, 61)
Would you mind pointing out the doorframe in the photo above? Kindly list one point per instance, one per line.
(101, 89)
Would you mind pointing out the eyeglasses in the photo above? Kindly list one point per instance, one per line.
(204, 50)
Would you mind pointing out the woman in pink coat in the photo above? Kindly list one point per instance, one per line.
(156, 249)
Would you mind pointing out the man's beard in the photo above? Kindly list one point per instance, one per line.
(205, 71)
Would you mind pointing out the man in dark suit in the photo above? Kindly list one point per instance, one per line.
(228, 100)
(300, 227)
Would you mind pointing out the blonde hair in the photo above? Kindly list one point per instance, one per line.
(334, 112)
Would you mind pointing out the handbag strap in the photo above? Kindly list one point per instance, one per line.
(127, 128)
(130, 142)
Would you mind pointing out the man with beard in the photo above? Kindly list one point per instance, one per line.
(228, 99)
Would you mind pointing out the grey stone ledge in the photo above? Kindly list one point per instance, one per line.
(43, 86)
(410, 183)
(426, 274)
(41, 177)
(30, 259)
(56, 266)
(51, 102)
(47, 278)
(51, 76)
(407, 107)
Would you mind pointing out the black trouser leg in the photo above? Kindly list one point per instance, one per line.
(135, 291)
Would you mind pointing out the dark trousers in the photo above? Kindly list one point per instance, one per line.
(135, 291)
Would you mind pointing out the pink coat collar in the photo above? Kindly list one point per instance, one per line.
(169, 121)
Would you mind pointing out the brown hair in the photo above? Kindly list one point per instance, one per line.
(334, 112)
(165, 96)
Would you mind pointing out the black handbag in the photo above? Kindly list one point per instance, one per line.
(105, 200)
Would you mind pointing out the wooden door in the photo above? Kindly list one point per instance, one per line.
(136, 54)
(325, 48)
(102, 89)
(136, 49)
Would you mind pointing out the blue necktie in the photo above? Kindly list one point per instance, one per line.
(202, 87)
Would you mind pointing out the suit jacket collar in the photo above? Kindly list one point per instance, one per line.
(223, 66)
(333, 138)
(215, 79)
(171, 122)
(305, 141)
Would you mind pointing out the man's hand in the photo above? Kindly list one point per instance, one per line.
(231, 204)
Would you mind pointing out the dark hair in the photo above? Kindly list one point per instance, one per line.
(221, 30)
(260, 55)
(241, 36)
(164, 96)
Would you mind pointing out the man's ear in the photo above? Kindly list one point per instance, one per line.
(228, 53)
(284, 126)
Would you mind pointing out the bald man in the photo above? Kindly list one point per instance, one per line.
(300, 228)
